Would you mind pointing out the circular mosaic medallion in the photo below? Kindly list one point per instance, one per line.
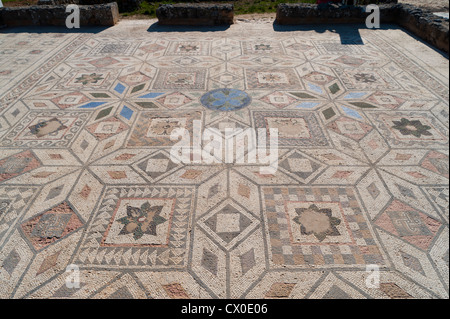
(225, 100)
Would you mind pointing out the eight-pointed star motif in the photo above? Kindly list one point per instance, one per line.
(89, 78)
(263, 47)
(316, 221)
(414, 127)
(141, 220)
(188, 47)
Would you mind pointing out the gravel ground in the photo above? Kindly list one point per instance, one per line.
(432, 5)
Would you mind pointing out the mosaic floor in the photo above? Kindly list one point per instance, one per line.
(86, 177)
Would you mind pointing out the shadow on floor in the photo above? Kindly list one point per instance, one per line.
(156, 27)
(349, 33)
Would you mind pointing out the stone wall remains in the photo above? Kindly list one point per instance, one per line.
(422, 23)
(195, 14)
(55, 15)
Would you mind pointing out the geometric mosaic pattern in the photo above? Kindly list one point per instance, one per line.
(159, 240)
(86, 176)
(299, 235)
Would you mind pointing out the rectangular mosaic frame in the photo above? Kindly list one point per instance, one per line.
(174, 254)
(363, 250)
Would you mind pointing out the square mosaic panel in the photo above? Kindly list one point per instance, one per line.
(139, 227)
(272, 79)
(294, 128)
(114, 48)
(264, 47)
(46, 129)
(411, 129)
(186, 78)
(189, 48)
(155, 128)
(318, 226)
(367, 79)
(334, 47)
(87, 78)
